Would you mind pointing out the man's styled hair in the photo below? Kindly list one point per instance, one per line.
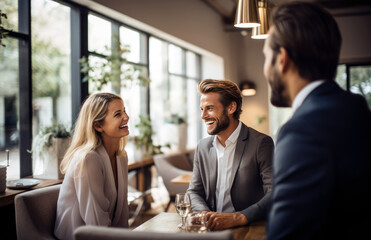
(229, 92)
(311, 37)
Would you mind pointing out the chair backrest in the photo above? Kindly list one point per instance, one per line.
(105, 233)
(35, 213)
(172, 165)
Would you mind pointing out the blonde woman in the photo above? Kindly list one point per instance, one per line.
(94, 190)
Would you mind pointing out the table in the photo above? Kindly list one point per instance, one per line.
(7, 210)
(7, 198)
(183, 179)
(168, 223)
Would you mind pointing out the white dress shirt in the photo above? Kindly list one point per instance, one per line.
(225, 157)
(90, 197)
(298, 100)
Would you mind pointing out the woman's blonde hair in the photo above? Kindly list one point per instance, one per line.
(85, 138)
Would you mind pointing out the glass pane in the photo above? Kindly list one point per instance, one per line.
(9, 107)
(51, 54)
(193, 116)
(360, 81)
(177, 98)
(341, 76)
(191, 65)
(175, 60)
(158, 88)
(98, 65)
(135, 41)
(10, 8)
(99, 34)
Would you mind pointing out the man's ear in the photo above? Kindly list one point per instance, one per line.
(283, 60)
(232, 107)
(98, 127)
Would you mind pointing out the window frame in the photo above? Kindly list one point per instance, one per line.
(79, 90)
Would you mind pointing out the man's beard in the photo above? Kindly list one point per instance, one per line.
(221, 124)
(278, 88)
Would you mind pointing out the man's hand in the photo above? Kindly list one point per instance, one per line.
(221, 221)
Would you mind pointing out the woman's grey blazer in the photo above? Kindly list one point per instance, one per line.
(251, 171)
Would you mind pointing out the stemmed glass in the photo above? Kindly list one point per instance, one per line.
(183, 207)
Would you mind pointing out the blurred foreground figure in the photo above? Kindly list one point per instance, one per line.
(322, 163)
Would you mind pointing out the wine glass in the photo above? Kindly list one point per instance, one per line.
(183, 207)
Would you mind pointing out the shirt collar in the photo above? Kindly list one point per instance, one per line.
(299, 99)
(232, 138)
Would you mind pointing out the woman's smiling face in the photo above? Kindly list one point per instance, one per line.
(115, 124)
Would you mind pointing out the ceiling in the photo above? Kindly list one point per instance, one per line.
(227, 8)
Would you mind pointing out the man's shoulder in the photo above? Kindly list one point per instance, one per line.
(255, 134)
(205, 142)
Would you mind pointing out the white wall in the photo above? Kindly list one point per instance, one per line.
(195, 22)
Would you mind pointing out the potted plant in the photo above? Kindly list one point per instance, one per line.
(143, 141)
(48, 149)
(115, 69)
(3, 32)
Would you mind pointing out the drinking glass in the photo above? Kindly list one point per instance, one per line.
(183, 207)
(196, 222)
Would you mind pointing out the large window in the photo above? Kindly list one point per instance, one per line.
(174, 75)
(51, 64)
(43, 83)
(9, 105)
(12, 83)
(356, 78)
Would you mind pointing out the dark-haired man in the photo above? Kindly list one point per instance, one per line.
(322, 163)
(232, 171)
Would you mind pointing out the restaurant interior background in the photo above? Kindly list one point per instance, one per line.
(174, 43)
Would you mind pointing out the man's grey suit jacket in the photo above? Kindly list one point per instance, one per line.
(251, 171)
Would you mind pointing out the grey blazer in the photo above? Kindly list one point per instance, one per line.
(252, 171)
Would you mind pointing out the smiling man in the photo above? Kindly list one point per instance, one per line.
(232, 172)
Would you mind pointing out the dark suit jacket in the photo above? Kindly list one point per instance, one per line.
(322, 169)
(252, 171)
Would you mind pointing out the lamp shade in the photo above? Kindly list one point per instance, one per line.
(247, 88)
(261, 32)
(247, 14)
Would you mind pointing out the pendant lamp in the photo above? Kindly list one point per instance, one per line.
(261, 32)
(247, 14)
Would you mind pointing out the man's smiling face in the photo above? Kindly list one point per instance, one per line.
(213, 113)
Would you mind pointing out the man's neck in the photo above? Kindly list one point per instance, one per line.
(295, 83)
(224, 135)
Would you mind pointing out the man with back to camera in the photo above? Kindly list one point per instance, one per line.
(322, 162)
(232, 171)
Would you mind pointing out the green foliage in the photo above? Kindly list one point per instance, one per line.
(43, 139)
(360, 81)
(174, 118)
(47, 65)
(259, 120)
(144, 139)
(56, 130)
(115, 69)
(3, 32)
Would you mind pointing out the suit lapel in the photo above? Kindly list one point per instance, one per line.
(240, 149)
